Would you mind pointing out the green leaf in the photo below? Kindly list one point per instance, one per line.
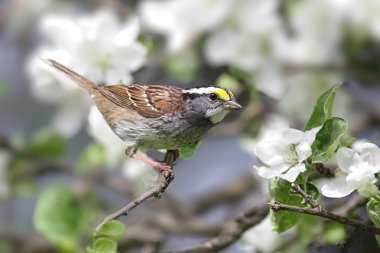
(309, 227)
(373, 209)
(328, 139)
(333, 232)
(280, 191)
(311, 190)
(103, 245)
(92, 157)
(346, 142)
(322, 109)
(227, 81)
(189, 151)
(183, 67)
(113, 228)
(59, 217)
(47, 142)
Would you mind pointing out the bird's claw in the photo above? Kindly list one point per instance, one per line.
(166, 168)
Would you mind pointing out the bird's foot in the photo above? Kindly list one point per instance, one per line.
(165, 168)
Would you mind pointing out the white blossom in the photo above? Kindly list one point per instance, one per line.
(250, 27)
(357, 168)
(246, 41)
(284, 153)
(140, 174)
(317, 33)
(272, 122)
(261, 238)
(183, 21)
(97, 46)
(102, 133)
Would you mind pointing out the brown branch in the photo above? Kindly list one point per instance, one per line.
(231, 231)
(318, 210)
(162, 182)
(276, 206)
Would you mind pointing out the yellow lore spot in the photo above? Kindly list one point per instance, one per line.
(223, 94)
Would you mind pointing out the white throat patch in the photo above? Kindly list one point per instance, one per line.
(216, 118)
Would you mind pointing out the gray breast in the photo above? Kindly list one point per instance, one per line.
(172, 132)
(168, 131)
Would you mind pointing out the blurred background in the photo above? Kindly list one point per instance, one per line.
(57, 154)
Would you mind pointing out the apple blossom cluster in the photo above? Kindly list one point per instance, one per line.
(284, 154)
(238, 36)
(98, 46)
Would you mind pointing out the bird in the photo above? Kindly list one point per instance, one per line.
(156, 116)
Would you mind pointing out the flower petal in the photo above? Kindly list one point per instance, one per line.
(303, 151)
(71, 114)
(60, 30)
(101, 132)
(271, 172)
(309, 136)
(370, 153)
(129, 32)
(293, 136)
(336, 188)
(360, 177)
(345, 158)
(266, 149)
(292, 174)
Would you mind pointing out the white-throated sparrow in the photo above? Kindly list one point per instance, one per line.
(156, 116)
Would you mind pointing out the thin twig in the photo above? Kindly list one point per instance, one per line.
(162, 182)
(276, 206)
(231, 232)
(309, 199)
(318, 210)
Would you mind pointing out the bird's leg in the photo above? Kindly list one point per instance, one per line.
(174, 153)
(131, 152)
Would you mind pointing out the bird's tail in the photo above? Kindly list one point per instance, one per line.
(78, 79)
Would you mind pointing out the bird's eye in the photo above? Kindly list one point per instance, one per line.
(213, 96)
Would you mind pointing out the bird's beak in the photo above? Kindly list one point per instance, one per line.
(231, 105)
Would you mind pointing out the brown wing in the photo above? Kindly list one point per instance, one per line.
(148, 100)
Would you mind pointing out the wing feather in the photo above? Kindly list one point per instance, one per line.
(147, 100)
